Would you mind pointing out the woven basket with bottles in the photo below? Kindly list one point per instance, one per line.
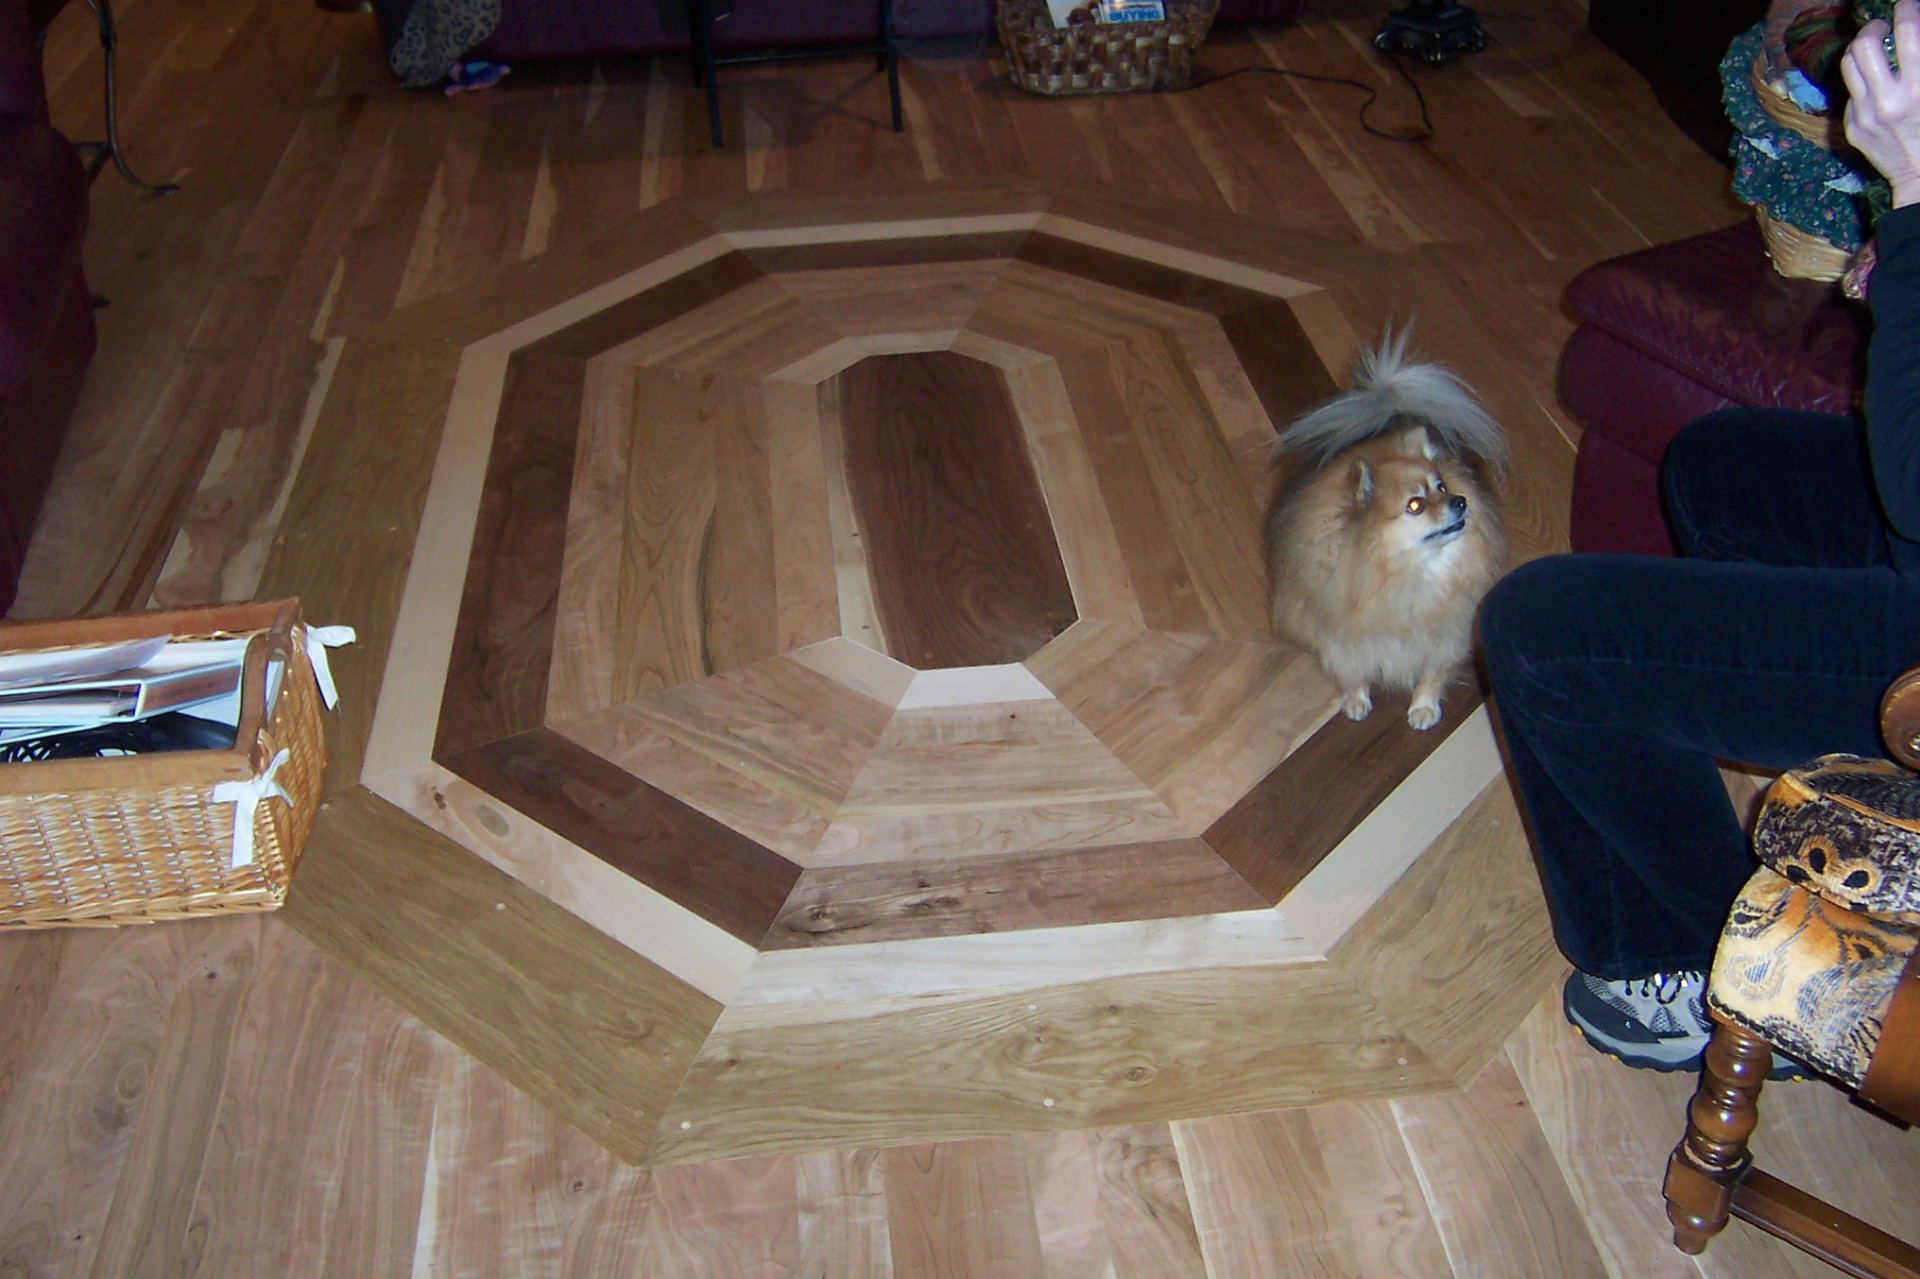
(1096, 57)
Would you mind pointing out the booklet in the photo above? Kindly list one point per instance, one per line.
(77, 688)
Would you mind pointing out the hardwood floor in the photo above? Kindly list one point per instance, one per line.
(253, 1097)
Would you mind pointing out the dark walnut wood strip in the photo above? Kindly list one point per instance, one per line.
(1278, 359)
(966, 571)
(835, 905)
(907, 251)
(680, 852)
(503, 642)
(1286, 825)
(1136, 275)
(669, 300)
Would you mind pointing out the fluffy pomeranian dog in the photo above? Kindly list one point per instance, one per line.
(1385, 530)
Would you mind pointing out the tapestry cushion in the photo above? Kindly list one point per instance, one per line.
(1809, 976)
(1847, 828)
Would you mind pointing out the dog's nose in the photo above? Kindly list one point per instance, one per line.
(1457, 505)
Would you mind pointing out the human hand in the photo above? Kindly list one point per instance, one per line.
(1883, 105)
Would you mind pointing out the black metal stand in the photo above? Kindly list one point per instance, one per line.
(1435, 30)
(101, 152)
(706, 60)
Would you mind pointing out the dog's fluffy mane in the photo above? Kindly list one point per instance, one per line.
(1389, 392)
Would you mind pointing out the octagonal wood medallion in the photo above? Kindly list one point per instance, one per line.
(837, 611)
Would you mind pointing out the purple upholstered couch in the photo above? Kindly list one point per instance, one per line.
(46, 311)
(532, 30)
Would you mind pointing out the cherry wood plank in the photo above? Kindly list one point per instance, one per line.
(646, 833)
(965, 567)
(685, 292)
(1169, 879)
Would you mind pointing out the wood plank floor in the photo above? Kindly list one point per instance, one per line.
(229, 1098)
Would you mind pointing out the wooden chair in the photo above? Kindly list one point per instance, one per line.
(1817, 961)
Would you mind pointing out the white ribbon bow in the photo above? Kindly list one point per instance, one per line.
(246, 798)
(319, 640)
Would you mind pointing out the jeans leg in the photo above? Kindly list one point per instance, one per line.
(1620, 680)
(1774, 486)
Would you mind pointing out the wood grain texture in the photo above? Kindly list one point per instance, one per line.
(837, 905)
(503, 642)
(1295, 815)
(644, 832)
(1500, 1202)
(497, 957)
(966, 569)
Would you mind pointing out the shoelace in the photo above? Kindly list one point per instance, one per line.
(1664, 988)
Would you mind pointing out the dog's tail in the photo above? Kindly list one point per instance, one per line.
(1390, 393)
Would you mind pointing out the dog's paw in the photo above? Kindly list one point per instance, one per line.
(1424, 713)
(1357, 705)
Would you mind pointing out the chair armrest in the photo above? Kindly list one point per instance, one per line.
(1900, 718)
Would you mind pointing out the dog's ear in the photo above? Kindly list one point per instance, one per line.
(1362, 481)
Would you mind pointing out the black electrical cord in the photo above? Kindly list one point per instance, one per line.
(172, 731)
(1373, 96)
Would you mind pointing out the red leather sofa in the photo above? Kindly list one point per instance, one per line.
(46, 310)
(1676, 331)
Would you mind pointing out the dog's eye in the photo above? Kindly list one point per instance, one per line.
(1415, 505)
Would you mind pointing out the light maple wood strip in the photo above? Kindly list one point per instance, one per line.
(1461, 942)
(1126, 1050)
(280, 1193)
(807, 608)
(741, 579)
(862, 301)
(660, 635)
(1495, 1192)
(79, 1093)
(853, 580)
(1243, 423)
(842, 1203)
(625, 737)
(1081, 525)
(611, 1061)
(750, 332)
(146, 1230)
(797, 986)
(1373, 1188)
(980, 1187)
(1262, 1197)
(785, 726)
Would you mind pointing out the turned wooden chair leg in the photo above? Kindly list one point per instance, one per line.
(1712, 1158)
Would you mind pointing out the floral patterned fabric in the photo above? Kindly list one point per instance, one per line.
(1812, 978)
(1847, 828)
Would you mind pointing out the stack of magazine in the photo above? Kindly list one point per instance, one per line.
(57, 691)
(1068, 13)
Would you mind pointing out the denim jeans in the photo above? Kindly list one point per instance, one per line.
(1619, 680)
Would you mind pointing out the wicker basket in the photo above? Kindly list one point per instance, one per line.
(1101, 57)
(1827, 132)
(140, 838)
(1801, 255)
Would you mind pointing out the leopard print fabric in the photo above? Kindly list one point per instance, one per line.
(1809, 976)
(1849, 829)
(436, 33)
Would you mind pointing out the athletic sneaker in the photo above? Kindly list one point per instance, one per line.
(1656, 1023)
